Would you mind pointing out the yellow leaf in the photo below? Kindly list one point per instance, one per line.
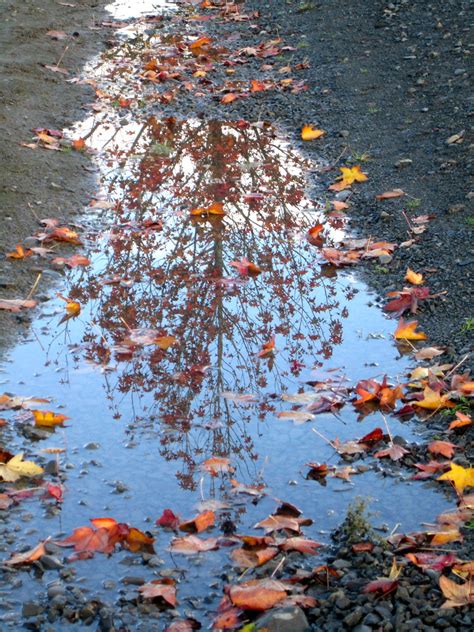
(415, 278)
(309, 133)
(16, 467)
(460, 477)
(432, 400)
(48, 418)
(349, 176)
(406, 331)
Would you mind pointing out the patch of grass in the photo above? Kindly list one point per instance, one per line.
(470, 220)
(373, 109)
(380, 269)
(464, 406)
(468, 325)
(356, 526)
(306, 6)
(357, 156)
(413, 203)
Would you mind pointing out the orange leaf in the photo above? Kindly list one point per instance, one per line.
(228, 98)
(48, 418)
(415, 278)
(78, 144)
(215, 209)
(406, 331)
(200, 523)
(349, 176)
(310, 133)
(388, 195)
(200, 42)
(19, 253)
(445, 448)
(248, 558)
(137, 540)
(267, 348)
(72, 262)
(29, 556)
(302, 545)
(460, 421)
(216, 465)
(257, 594)
(164, 588)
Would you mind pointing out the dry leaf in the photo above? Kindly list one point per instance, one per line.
(310, 133)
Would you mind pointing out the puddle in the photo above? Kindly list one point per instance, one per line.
(144, 419)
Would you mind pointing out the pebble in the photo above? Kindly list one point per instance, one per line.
(404, 162)
(290, 619)
(354, 617)
(31, 609)
(92, 446)
(51, 562)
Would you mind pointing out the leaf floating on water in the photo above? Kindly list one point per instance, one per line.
(191, 544)
(200, 523)
(164, 588)
(298, 416)
(48, 419)
(15, 468)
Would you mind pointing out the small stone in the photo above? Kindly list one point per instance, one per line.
(92, 446)
(343, 602)
(385, 258)
(354, 617)
(340, 564)
(132, 580)
(31, 609)
(404, 162)
(456, 208)
(51, 562)
(344, 133)
(290, 619)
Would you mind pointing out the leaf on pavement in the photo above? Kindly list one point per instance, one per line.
(308, 132)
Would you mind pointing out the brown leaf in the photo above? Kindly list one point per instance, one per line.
(457, 595)
(200, 523)
(191, 544)
(388, 195)
(164, 588)
(257, 594)
(445, 448)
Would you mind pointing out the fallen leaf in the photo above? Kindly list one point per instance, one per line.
(164, 588)
(302, 545)
(349, 176)
(460, 421)
(48, 418)
(15, 468)
(200, 42)
(200, 523)
(459, 476)
(415, 278)
(19, 253)
(257, 594)
(395, 452)
(388, 195)
(428, 353)
(445, 448)
(310, 133)
(253, 557)
(432, 400)
(168, 520)
(16, 304)
(29, 556)
(191, 544)
(457, 595)
(406, 331)
(431, 560)
(298, 416)
(217, 465)
(72, 262)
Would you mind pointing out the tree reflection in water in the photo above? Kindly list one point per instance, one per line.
(161, 268)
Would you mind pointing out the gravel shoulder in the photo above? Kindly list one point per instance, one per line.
(390, 85)
(36, 183)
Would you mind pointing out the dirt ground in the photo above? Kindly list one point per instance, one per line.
(35, 183)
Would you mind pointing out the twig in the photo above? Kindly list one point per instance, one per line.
(35, 285)
(325, 439)
(280, 563)
(388, 429)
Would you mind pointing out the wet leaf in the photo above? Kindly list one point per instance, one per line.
(217, 465)
(406, 331)
(257, 594)
(432, 560)
(61, 233)
(384, 586)
(191, 544)
(277, 522)
(389, 195)
(302, 545)
(457, 595)
(29, 556)
(395, 452)
(445, 448)
(310, 133)
(428, 353)
(253, 557)
(349, 176)
(460, 421)
(164, 588)
(16, 304)
(298, 416)
(72, 262)
(19, 253)
(168, 520)
(415, 278)
(200, 523)
(428, 469)
(48, 418)
(433, 400)
(459, 476)
(15, 468)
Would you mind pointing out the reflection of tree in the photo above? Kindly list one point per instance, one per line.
(173, 275)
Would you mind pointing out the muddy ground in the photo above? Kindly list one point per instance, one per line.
(33, 183)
